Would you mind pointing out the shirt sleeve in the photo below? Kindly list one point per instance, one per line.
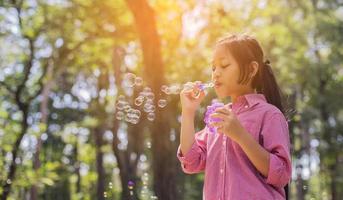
(194, 160)
(277, 143)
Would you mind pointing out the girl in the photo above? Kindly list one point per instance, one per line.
(248, 157)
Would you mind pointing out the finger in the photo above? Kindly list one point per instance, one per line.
(202, 95)
(223, 110)
(196, 87)
(217, 115)
(196, 92)
(217, 124)
(189, 95)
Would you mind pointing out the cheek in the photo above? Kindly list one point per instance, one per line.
(232, 77)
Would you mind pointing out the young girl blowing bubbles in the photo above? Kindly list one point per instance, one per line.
(244, 149)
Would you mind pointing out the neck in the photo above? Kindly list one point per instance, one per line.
(235, 96)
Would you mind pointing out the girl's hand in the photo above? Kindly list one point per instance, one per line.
(228, 123)
(191, 97)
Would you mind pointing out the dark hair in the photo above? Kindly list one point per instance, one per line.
(246, 49)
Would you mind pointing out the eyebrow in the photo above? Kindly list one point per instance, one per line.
(220, 58)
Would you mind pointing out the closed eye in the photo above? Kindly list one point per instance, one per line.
(225, 66)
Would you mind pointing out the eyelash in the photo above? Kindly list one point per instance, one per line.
(225, 66)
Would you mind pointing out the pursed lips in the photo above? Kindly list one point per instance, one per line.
(217, 84)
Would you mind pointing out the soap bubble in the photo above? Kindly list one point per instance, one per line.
(151, 116)
(174, 89)
(129, 79)
(139, 100)
(137, 113)
(150, 95)
(138, 81)
(142, 94)
(126, 107)
(134, 121)
(148, 107)
(127, 118)
(120, 105)
(147, 89)
(188, 86)
(149, 101)
(120, 115)
(152, 108)
(133, 116)
(147, 92)
(146, 98)
(162, 103)
(167, 91)
(163, 88)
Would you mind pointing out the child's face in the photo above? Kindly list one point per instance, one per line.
(225, 74)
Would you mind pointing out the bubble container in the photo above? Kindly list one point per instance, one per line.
(208, 119)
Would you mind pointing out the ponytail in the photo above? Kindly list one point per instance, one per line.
(269, 87)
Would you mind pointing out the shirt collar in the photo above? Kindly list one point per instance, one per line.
(248, 99)
(254, 99)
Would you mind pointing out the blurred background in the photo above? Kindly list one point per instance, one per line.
(68, 67)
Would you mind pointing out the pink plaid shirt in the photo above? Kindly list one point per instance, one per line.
(229, 174)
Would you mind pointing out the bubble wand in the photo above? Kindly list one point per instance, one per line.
(202, 87)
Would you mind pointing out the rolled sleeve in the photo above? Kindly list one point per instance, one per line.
(194, 160)
(279, 173)
(276, 141)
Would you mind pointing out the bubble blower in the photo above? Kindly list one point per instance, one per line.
(202, 87)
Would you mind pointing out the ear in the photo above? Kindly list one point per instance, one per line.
(254, 68)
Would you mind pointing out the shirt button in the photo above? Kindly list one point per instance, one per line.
(221, 171)
(246, 106)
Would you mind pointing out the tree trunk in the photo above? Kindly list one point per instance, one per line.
(300, 195)
(77, 166)
(127, 166)
(333, 184)
(16, 147)
(45, 112)
(98, 136)
(163, 151)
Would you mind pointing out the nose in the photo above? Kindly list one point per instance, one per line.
(216, 73)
